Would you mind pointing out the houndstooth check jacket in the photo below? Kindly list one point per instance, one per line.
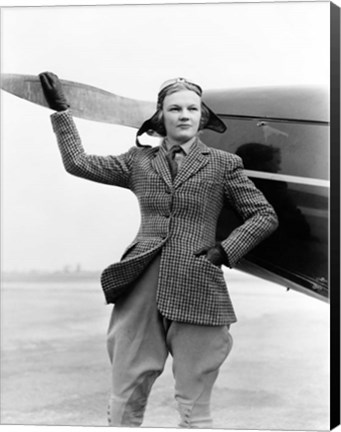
(177, 219)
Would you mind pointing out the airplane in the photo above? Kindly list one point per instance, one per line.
(282, 135)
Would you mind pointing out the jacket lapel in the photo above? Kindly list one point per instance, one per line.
(193, 162)
(160, 165)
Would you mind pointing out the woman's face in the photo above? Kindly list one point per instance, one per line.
(181, 115)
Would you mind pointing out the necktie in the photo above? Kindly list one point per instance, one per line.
(171, 159)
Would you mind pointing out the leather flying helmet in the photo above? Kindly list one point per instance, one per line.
(154, 125)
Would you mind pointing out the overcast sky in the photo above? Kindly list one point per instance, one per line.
(51, 219)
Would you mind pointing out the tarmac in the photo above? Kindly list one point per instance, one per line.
(55, 369)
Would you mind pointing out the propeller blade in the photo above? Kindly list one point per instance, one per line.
(87, 102)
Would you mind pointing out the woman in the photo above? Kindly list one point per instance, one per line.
(169, 290)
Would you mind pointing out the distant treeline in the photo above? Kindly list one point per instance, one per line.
(41, 276)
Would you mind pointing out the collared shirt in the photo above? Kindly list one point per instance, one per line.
(180, 156)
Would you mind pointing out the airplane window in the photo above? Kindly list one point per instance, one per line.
(304, 147)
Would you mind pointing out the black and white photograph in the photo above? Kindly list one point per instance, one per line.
(167, 245)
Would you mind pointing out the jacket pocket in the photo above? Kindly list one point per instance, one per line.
(209, 264)
(129, 249)
(141, 246)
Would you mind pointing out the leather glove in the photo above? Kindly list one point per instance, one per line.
(216, 254)
(53, 91)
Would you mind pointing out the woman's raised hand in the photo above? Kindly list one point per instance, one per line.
(53, 91)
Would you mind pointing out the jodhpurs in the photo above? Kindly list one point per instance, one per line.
(139, 340)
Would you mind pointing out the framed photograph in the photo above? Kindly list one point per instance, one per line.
(102, 92)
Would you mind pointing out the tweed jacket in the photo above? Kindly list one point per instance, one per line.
(177, 219)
